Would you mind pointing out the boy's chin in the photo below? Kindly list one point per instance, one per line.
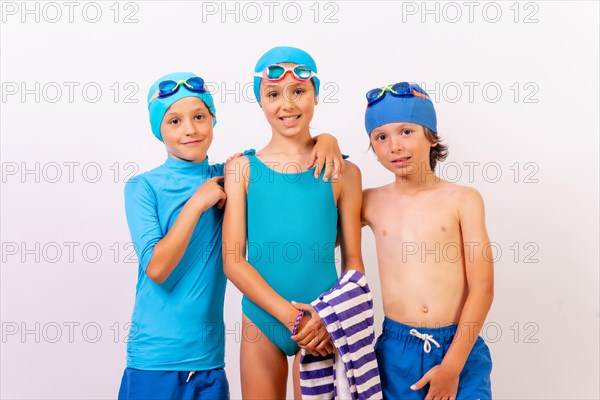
(407, 172)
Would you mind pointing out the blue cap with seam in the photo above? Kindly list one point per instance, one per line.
(405, 108)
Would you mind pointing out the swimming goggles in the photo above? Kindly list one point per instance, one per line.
(400, 89)
(169, 87)
(276, 72)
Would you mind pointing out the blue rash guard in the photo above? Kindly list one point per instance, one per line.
(177, 325)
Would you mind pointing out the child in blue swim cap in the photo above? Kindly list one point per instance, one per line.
(435, 272)
(175, 213)
(290, 221)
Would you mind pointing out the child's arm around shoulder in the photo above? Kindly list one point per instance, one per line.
(349, 210)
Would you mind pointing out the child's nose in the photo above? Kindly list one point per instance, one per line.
(190, 128)
(396, 143)
(289, 101)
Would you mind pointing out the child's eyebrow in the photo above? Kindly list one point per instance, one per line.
(177, 113)
(202, 109)
(298, 84)
(272, 86)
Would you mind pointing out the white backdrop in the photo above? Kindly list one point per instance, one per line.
(516, 90)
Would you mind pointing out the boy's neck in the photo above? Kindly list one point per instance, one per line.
(200, 159)
(414, 183)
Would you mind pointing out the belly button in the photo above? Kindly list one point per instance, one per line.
(425, 309)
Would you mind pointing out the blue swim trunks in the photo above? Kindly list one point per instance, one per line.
(181, 385)
(403, 360)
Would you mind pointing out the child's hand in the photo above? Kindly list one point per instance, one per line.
(443, 383)
(209, 194)
(312, 335)
(236, 155)
(326, 153)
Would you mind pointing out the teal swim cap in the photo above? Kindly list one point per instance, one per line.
(158, 107)
(409, 103)
(281, 55)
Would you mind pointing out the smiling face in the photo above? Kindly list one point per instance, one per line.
(288, 104)
(187, 129)
(402, 148)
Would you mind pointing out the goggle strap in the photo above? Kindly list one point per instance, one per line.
(175, 89)
(264, 73)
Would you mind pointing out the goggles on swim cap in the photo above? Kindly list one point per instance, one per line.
(170, 87)
(276, 72)
(399, 89)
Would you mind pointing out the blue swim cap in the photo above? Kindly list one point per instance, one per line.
(406, 107)
(158, 107)
(281, 55)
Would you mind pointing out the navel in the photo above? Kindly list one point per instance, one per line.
(384, 232)
(425, 309)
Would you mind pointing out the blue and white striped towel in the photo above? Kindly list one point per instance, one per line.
(347, 311)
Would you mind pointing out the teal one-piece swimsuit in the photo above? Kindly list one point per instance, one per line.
(292, 228)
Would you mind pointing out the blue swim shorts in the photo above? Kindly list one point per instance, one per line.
(174, 385)
(404, 358)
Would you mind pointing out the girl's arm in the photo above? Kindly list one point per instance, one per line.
(350, 227)
(238, 270)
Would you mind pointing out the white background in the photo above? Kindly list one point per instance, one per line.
(62, 314)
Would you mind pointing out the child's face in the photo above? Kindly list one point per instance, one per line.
(402, 148)
(187, 129)
(288, 104)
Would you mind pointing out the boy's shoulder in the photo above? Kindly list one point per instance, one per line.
(148, 177)
(143, 184)
(452, 192)
(460, 193)
(372, 200)
(462, 201)
(160, 174)
(217, 169)
(377, 192)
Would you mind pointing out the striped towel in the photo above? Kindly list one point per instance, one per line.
(347, 311)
